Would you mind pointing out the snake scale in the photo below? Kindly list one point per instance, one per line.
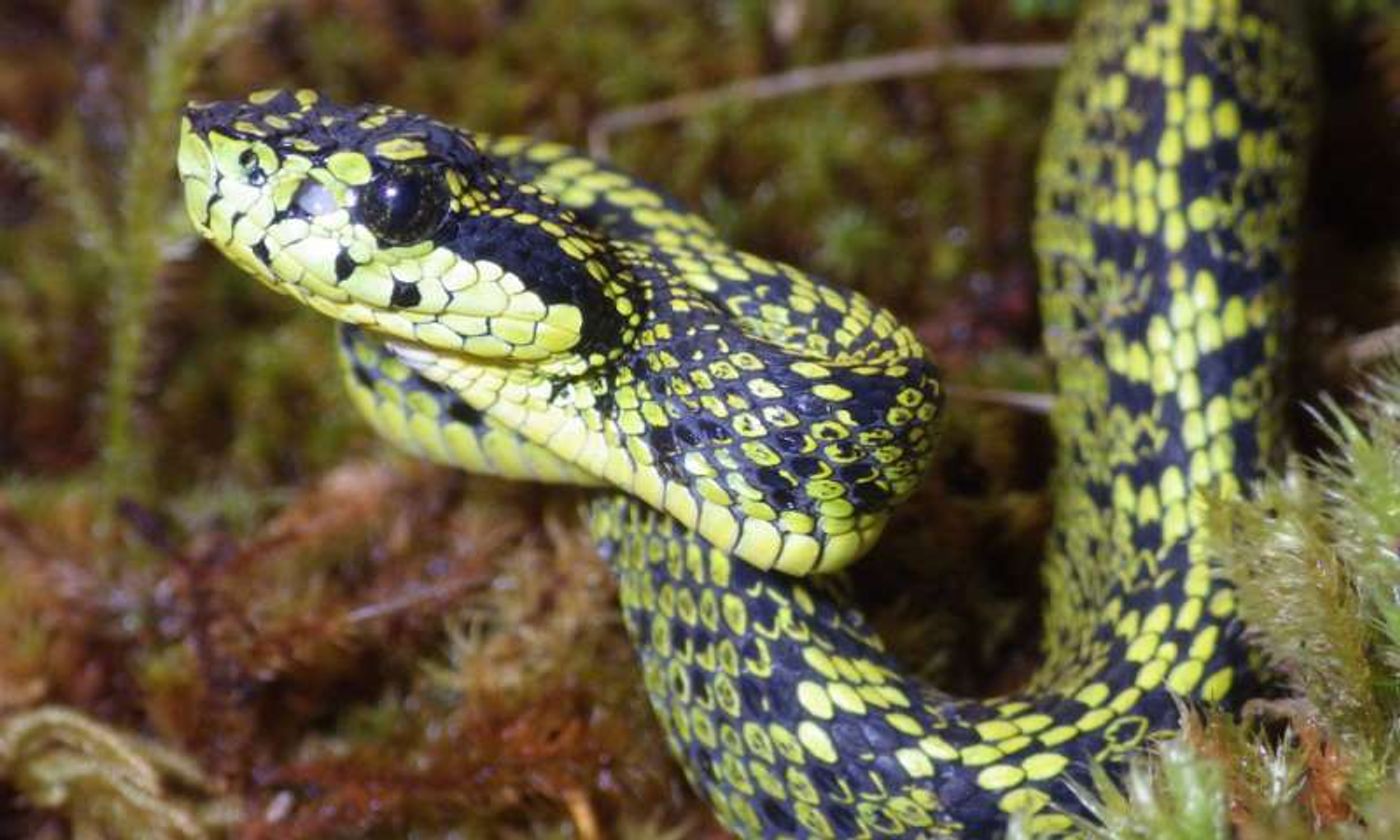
(513, 307)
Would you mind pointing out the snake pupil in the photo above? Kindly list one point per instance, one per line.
(404, 204)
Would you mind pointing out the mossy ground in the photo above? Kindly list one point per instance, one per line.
(287, 630)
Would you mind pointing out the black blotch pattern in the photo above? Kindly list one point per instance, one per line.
(715, 432)
(463, 413)
(869, 497)
(344, 266)
(777, 815)
(405, 294)
(535, 256)
(772, 478)
(663, 441)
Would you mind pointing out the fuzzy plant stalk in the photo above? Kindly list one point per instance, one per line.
(66, 186)
(1178, 795)
(1217, 778)
(188, 32)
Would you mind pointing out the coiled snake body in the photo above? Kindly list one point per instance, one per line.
(515, 308)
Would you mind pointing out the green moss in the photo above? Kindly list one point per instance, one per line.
(109, 783)
(1180, 795)
(1317, 550)
(1313, 556)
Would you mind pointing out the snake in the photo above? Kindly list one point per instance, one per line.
(744, 429)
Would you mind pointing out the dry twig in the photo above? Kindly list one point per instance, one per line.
(1033, 402)
(1371, 347)
(985, 57)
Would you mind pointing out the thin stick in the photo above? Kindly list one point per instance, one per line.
(408, 600)
(986, 57)
(581, 812)
(1032, 402)
(1373, 346)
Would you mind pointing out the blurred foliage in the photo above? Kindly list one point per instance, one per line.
(202, 548)
(109, 784)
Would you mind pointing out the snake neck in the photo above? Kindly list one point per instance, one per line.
(785, 458)
(562, 260)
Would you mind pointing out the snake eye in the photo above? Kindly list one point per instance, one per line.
(404, 204)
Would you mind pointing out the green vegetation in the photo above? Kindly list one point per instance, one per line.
(1314, 557)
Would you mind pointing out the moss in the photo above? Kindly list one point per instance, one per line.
(1317, 550)
(108, 783)
(1313, 556)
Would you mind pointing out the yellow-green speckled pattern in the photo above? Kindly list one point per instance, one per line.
(514, 308)
(777, 417)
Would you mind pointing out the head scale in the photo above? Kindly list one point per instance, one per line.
(399, 223)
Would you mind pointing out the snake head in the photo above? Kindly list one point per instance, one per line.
(398, 223)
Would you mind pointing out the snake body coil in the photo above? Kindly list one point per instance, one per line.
(515, 308)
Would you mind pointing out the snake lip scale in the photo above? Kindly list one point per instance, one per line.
(512, 307)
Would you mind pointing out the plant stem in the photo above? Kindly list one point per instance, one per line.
(187, 32)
